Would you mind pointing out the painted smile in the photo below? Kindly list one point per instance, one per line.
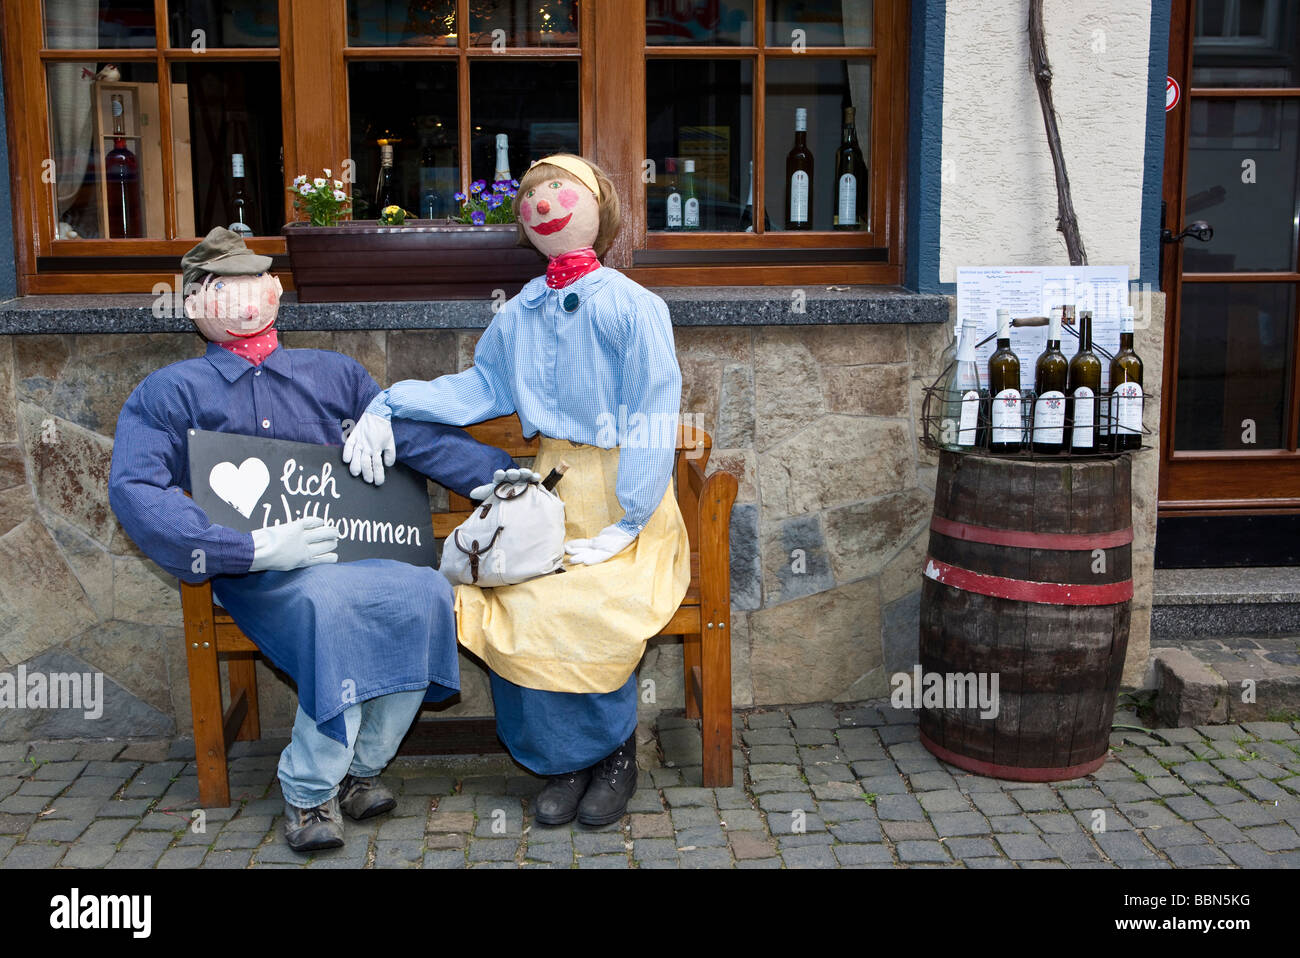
(553, 226)
(257, 332)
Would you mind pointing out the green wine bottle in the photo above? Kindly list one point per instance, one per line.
(1004, 391)
(1050, 374)
(1126, 389)
(1084, 385)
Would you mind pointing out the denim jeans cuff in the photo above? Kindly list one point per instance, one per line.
(308, 799)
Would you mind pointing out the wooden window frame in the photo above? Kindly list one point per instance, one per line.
(612, 55)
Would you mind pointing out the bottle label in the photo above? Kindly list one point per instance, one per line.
(1128, 411)
(847, 212)
(237, 165)
(242, 229)
(970, 418)
(117, 108)
(1085, 419)
(691, 218)
(799, 197)
(674, 211)
(1049, 417)
(1006, 416)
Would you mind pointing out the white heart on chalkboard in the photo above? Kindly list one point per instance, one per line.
(241, 487)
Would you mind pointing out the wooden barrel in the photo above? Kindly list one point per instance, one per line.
(1029, 579)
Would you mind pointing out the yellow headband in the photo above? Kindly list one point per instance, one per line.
(577, 167)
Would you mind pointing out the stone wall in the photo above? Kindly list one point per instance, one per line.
(819, 424)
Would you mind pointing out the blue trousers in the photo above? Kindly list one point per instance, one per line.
(313, 764)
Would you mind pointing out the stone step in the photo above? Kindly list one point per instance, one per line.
(1211, 681)
(1231, 602)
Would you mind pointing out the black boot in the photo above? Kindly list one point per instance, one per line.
(613, 781)
(557, 803)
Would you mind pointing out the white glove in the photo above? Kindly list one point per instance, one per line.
(295, 545)
(610, 542)
(370, 447)
(479, 493)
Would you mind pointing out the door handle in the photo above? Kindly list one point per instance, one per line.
(1198, 230)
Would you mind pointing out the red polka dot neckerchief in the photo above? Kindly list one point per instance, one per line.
(254, 350)
(568, 268)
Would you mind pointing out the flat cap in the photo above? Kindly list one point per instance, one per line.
(222, 252)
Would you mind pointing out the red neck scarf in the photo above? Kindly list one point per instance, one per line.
(570, 267)
(256, 349)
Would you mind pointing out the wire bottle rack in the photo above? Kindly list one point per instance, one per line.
(941, 428)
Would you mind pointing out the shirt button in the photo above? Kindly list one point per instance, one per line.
(257, 373)
(266, 424)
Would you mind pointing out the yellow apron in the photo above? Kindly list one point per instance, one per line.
(584, 629)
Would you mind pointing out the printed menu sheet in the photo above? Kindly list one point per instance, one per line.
(1034, 291)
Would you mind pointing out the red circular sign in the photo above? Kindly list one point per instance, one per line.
(1173, 93)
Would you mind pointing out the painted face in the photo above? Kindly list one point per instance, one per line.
(559, 216)
(228, 308)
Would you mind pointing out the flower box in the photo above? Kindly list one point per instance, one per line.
(424, 259)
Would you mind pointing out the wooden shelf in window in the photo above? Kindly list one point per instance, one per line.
(726, 53)
(773, 240)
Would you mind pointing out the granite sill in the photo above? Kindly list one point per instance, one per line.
(689, 306)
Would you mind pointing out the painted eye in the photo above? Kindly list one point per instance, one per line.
(555, 185)
(221, 286)
(531, 192)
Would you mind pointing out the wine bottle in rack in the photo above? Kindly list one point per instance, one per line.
(1084, 385)
(1126, 389)
(241, 219)
(690, 201)
(799, 176)
(1051, 373)
(387, 191)
(1004, 391)
(961, 418)
(673, 204)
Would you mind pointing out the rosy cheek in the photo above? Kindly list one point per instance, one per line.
(526, 211)
(568, 198)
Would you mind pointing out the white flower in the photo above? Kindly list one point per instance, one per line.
(340, 195)
(339, 184)
(306, 190)
(328, 173)
(318, 183)
(300, 179)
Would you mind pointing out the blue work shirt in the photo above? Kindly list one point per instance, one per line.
(604, 373)
(344, 632)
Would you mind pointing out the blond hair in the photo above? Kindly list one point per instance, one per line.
(610, 214)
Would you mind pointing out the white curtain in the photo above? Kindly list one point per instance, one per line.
(70, 24)
(857, 33)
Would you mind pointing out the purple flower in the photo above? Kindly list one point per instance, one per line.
(460, 197)
(515, 184)
(494, 201)
(478, 217)
(478, 186)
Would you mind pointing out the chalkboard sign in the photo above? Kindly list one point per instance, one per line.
(247, 483)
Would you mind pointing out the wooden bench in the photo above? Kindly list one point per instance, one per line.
(703, 621)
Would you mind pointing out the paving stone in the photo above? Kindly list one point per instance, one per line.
(442, 840)
(706, 858)
(106, 832)
(149, 751)
(787, 783)
(1248, 855)
(1271, 731)
(645, 800)
(743, 820)
(1110, 818)
(190, 857)
(1123, 846)
(769, 736)
(396, 829)
(1220, 795)
(774, 754)
(493, 850)
(909, 831)
(749, 845)
(848, 855)
(1277, 752)
(766, 720)
(56, 831)
(678, 797)
(972, 848)
(1072, 848)
(1012, 824)
(228, 840)
(837, 791)
(857, 833)
(959, 823)
(910, 851)
(884, 785)
(704, 837)
(786, 802)
(1223, 832)
(1054, 823)
(1291, 784)
(58, 771)
(1196, 856)
(41, 789)
(54, 751)
(734, 797)
(1127, 791)
(995, 803)
(873, 768)
(1036, 799)
(814, 717)
(1024, 847)
(604, 861)
(1246, 813)
(1168, 755)
(1235, 768)
(652, 826)
(899, 808)
(895, 734)
(134, 860)
(34, 855)
(846, 810)
(71, 808)
(228, 858)
(985, 863)
(810, 856)
(789, 824)
(1176, 736)
(1148, 815)
(865, 715)
(599, 843)
(441, 821)
(1168, 837)
(1274, 838)
(555, 853)
(401, 853)
(152, 780)
(665, 777)
(23, 805)
(1190, 808)
(1263, 789)
(948, 800)
(828, 774)
(88, 856)
(645, 849)
(1166, 785)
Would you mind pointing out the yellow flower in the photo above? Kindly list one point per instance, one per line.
(390, 210)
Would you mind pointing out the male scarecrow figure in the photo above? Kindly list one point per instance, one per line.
(366, 642)
(585, 356)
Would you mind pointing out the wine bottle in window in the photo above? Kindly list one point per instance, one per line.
(387, 191)
(1084, 384)
(1004, 390)
(430, 201)
(122, 174)
(241, 220)
(673, 206)
(747, 214)
(799, 176)
(961, 426)
(1126, 389)
(1051, 374)
(847, 187)
(690, 202)
(503, 159)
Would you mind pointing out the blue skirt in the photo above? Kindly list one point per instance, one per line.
(349, 632)
(552, 733)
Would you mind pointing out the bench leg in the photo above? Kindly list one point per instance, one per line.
(242, 669)
(209, 732)
(715, 724)
(692, 659)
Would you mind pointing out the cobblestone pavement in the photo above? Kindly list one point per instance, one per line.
(842, 786)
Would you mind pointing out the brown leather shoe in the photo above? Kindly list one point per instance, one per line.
(311, 829)
(365, 797)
